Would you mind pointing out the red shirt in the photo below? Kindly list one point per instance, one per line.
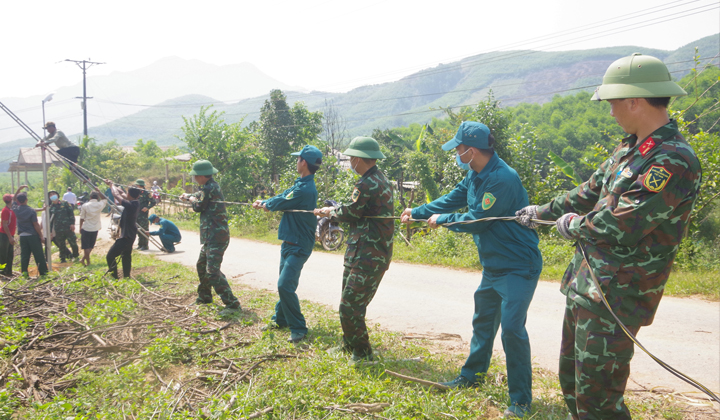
(7, 215)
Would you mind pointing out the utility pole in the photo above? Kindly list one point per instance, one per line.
(84, 65)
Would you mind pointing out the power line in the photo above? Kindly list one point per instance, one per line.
(523, 43)
(517, 54)
(480, 61)
(222, 103)
(428, 94)
(511, 54)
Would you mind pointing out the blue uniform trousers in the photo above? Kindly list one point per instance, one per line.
(168, 241)
(287, 310)
(503, 299)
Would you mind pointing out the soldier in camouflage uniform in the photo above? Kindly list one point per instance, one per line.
(214, 237)
(369, 244)
(509, 255)
(630, 216)
(146, 203)
(62, 224)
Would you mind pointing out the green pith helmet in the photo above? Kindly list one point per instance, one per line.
(203, 167)
(364, 147)
(637, 76)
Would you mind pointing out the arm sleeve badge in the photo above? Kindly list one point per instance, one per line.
(657, 178)
(488, 201)
(355, 194)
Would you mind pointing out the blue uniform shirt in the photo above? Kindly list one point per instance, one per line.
(494, 192)
(297, 228)
(167, 228)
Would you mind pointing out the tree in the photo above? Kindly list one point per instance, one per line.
(308, 125)
(149, 149)
(230, 148)
(701, 107)
(334, 128)
(276, 130)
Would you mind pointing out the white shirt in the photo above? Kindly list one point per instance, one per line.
(90, 214)
(70, 197)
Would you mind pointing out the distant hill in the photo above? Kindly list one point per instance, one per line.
(122, 94)
(513, 77)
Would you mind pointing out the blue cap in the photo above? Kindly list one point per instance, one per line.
(310, 154)
(470, 133)
(152, 217)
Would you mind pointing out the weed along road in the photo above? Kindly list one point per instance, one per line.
(423, 299)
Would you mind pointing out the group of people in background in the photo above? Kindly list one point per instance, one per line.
(18, 216)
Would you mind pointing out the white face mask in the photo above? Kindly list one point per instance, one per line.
(53, 197)
(353, 167)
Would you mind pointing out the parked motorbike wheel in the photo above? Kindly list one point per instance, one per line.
(332, 239)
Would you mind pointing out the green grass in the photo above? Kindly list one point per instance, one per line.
(302, 381)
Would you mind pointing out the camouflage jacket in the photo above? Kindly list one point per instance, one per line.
(636, 208)
(146, 201)
(213, 216)
(370, 241)
(61, 216)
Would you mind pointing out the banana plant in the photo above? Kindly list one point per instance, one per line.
(565, 168)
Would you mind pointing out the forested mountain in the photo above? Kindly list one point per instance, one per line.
(513, 76)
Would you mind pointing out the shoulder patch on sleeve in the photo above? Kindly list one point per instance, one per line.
(290, 195)
(488, 201)
(202, 195)
(355, 194)
(646, 146)
(656, 178)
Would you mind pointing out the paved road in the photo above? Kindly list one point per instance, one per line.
(417, 298)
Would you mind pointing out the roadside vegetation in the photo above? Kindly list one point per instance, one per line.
(254, 162)
(78, 345)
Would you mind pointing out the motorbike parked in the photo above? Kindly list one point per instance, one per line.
(83, 198)
(329, 233)
(115, 221)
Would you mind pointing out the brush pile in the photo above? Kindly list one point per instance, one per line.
(64, 336)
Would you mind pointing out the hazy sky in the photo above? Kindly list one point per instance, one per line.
(321, 44)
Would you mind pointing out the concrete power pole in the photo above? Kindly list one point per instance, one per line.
(84, 65)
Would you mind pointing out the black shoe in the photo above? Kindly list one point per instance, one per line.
(460, 382)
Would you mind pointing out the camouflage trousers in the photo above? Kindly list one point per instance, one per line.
(143, 222)
(595, 359)
(59, 241)
(358, 289)
(208, 268)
